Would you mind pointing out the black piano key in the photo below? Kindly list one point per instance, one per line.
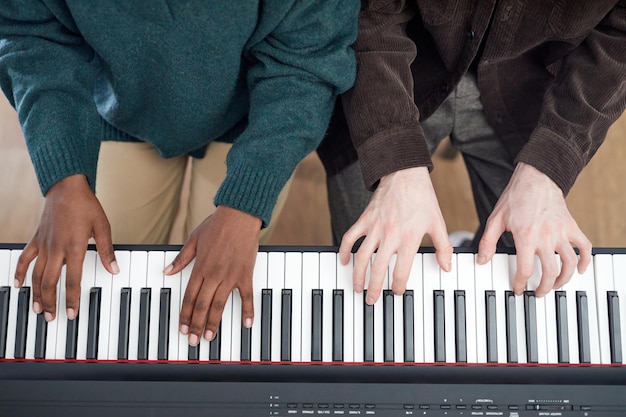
(511, 327)
(409, 326)
(215, 346)
(246, 344)
(460, 326)
(144, 323)
(562, 332)
(530, 309)
(71, 338)
(491, 326)
(164, 324)
(41, 337)
(615, 331)
(266, 325)
(388, 346)
(124, 327)
(338, 325)
(93, 328)
(316, 325)
(285, 325)
(5, 295)
(439, 314)
(193, 352)
(584, 346)
(23, 301)
(368, 330)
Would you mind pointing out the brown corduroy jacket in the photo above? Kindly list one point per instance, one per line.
(551, 73)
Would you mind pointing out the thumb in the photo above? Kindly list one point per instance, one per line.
(184, 257)
(487, 246)
(104, 246)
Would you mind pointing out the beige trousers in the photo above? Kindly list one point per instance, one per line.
(141, 191)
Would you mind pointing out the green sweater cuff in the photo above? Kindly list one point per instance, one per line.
(250, 190)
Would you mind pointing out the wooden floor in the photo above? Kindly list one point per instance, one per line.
(596, 201)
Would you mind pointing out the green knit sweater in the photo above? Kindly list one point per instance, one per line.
(262, 74)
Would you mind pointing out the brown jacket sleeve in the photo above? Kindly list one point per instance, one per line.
(380, 110)
(581, 104)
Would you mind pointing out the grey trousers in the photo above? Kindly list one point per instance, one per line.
(460, 117)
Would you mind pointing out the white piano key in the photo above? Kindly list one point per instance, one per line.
(379, 336)
(104, 280)
(119, 281)
(501, 282)
(227, 329)
(183, 340)
(58, 352)
(466, 282)
(449, 285)
(603, 270)
(430, 282)
(519, 313)
(259, 282)
(482, 283)
(328, 283)
(276, 282)
(154, 281)
(12, 325)
(310, 280)
(5, 279)
(237, 324)
(551, 331)
(32, 317)
(293, 281)
(585, 282)
(572, 326)
(87, 282)
(415, 284)
(542, 328)
(398, 317)
(138, 272)
(174, 283)
(619, 283)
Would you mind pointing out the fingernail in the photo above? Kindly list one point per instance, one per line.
(481, 259)
(48, 316)
(370, 300)
(208, 335)
(449, 266)
(115, 268)
(358, 289)
(184, 329)
(71, 314)
(168, 269)
(193, 340)
(37, 307)
(16, 284)
(248, 323)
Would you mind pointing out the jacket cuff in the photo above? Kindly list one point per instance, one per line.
(392, 150)
(554, 156)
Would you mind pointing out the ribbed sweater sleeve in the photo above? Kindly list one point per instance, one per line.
(579, 106)
(46, 74)
(300, 62)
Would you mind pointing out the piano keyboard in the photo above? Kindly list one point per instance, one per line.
(306, 311)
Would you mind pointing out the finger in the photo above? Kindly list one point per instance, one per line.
(487, 246)
(36, 277)
(402, 270)
(549, 273)
(247, 303)
(525, 263)
(362, 259)
(348, 240)
(29, 253)
(49, 286)
(443, 246)
(584, 249)
(378, 272)
(73, 275)
(568, 265)
(184, 258)
(216, 310)
(189, 301)
(104, 246)
(200, 310)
